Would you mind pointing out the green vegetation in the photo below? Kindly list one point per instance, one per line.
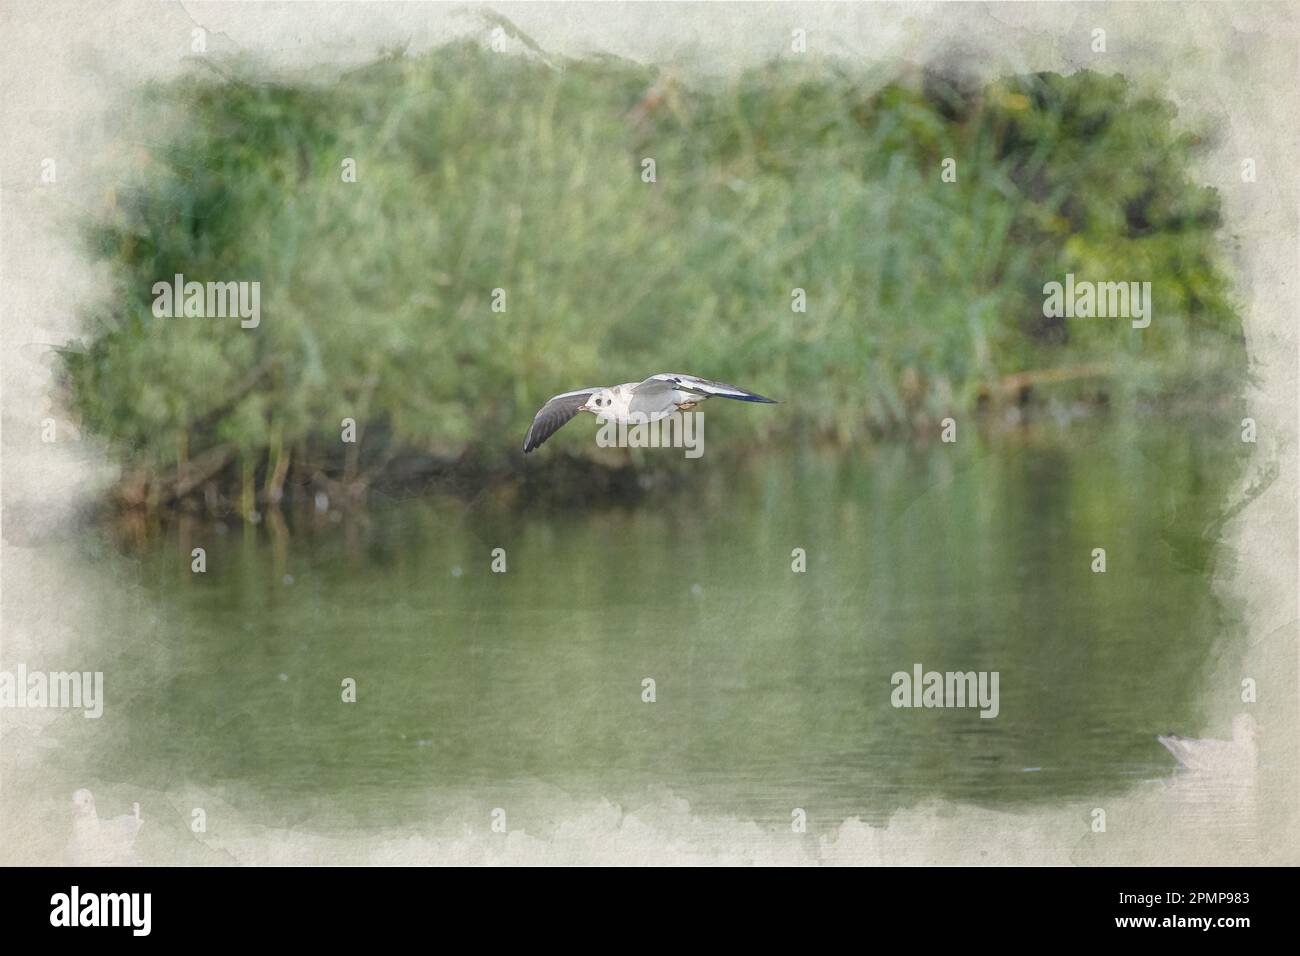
(478, 171)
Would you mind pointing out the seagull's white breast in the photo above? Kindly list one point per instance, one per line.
(621, 410)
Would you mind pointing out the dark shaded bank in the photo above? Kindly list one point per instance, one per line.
(440, 243)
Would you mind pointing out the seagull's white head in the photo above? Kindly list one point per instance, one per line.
(84, 800)
(599, 403)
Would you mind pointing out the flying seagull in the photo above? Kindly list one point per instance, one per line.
(655, 398)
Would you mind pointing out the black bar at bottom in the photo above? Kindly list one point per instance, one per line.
(298, 905)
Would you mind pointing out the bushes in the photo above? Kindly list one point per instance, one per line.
(477, 171)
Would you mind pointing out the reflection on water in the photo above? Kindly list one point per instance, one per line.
(772, 688)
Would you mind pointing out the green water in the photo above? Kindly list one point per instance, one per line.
(773, 687)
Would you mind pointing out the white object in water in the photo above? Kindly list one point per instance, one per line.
(97, 842)
(1235, 757)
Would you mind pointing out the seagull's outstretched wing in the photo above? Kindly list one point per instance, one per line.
(654, 398)
(703, 386)
(553, 415)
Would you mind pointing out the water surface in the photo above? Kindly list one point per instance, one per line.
(773, 687)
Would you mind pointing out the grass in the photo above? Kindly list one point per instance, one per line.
(478, 171)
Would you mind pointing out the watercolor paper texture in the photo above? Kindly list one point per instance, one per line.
(1008, 575)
